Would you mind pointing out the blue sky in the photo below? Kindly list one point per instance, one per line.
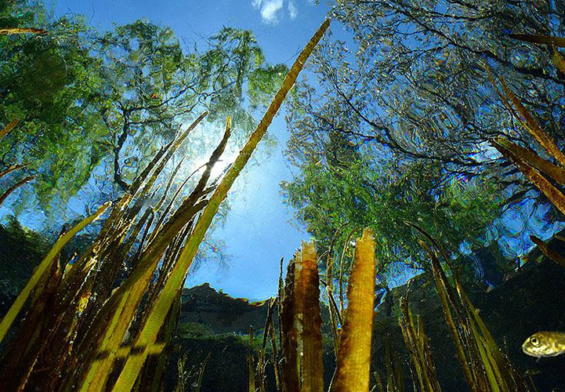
(258, 230)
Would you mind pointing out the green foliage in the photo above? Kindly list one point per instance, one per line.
(107, 101)
(41, 79)
(333, 199)
(411, 83)
(397, 122)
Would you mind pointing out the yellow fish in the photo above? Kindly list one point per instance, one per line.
(545, 344)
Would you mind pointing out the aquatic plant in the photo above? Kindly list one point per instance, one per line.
(173, 285)
(41, 271)
(301, 341)
(14, 30)
(418, 348)
(262, 362)
(251, 362)
(292, 322)
(484, 366)
(190, 379)
(22, 30)
(354, 354)
(106, 320)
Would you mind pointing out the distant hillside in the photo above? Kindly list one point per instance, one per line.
(220, 312)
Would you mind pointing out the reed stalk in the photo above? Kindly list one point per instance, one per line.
(354, 355)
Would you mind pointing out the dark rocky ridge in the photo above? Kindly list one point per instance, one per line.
(221, 313)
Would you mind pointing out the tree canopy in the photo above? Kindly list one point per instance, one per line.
(93, 103)
(414, 78)
(409, 93)
(350, 189)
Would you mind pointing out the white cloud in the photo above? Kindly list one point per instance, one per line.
(272, 10)
(292, 9)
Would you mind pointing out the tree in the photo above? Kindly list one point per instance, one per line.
(410, 92)
(414, 80)
(346, 189)
(165, 88)
(41, 80)
(104, 103)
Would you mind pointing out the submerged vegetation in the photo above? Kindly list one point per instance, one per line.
(95, 324)
(444, 119)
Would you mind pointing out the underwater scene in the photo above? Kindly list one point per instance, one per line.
(282, 195)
